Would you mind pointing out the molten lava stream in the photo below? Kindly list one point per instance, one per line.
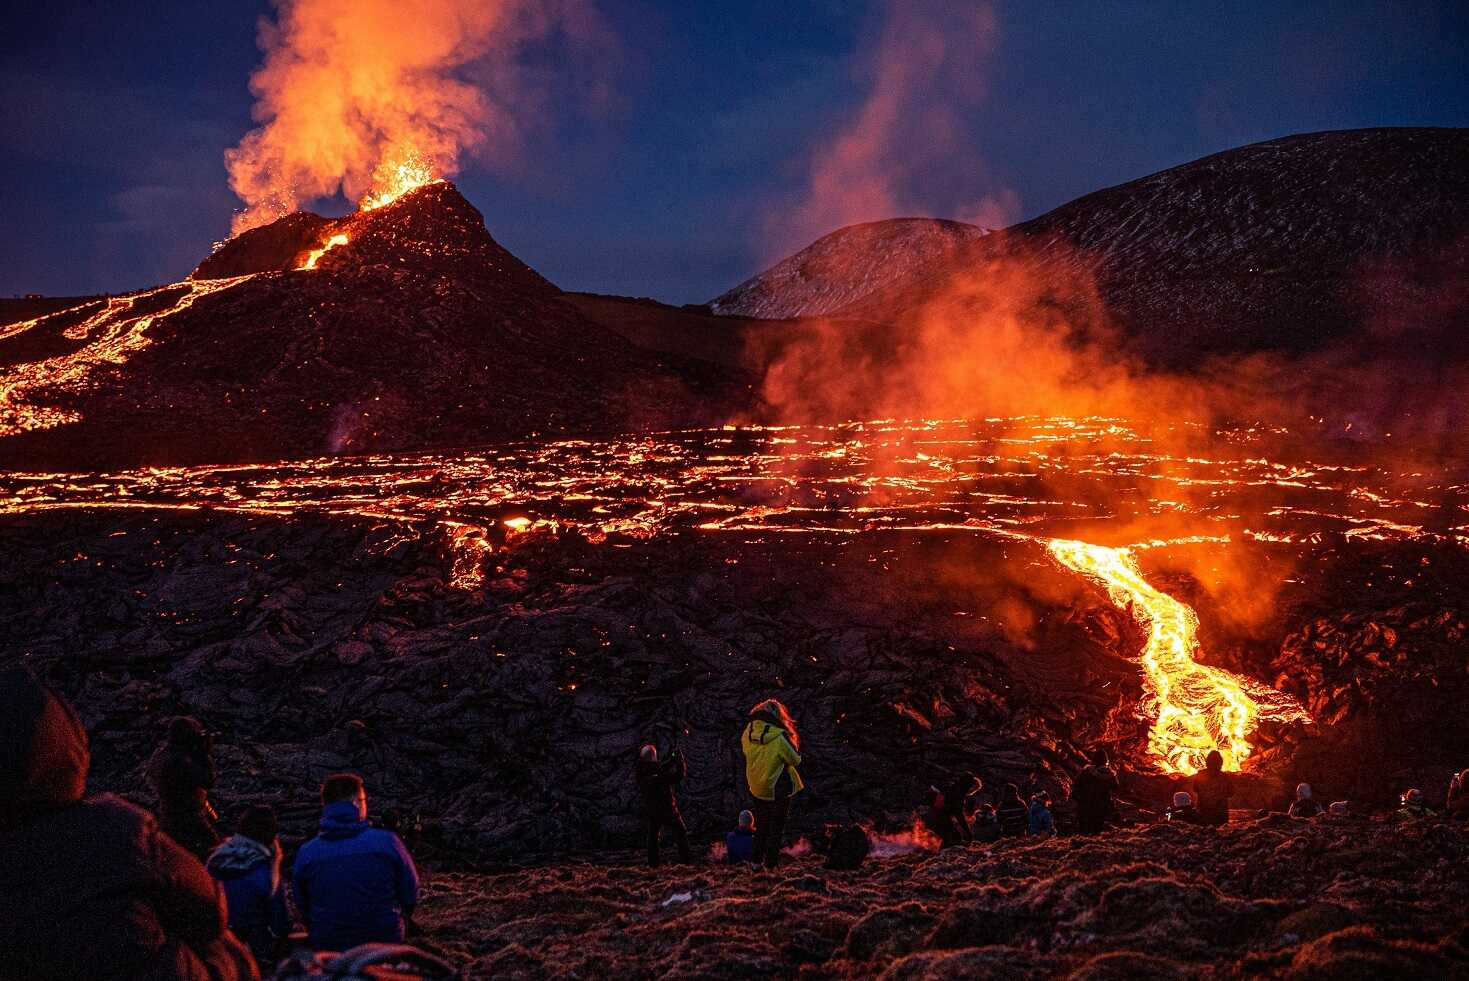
(1198, 707)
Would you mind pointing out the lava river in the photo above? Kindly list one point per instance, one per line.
(1093, 493)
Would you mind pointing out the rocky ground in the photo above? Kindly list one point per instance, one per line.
(1269, 898)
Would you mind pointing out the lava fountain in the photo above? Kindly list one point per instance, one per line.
(1197, 708)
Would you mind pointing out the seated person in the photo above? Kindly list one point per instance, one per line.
(739, 844)
(1183, 809)
(248, 869)
(1304, 806)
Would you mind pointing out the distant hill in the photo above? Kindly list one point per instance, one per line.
(1288, 245)
(842, 268)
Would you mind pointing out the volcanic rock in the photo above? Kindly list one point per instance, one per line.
(419, 331)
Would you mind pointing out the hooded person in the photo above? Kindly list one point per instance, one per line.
(1305, 805)
(353, 883)
(739, 844)
(1212, 790)
(657, 781)
(1039, 819)
(89, 886)
(772, 749)
(1413, 806)
(1183, 809)
(248, 868)
(183, 774)
(1092, 794)
(1013, 813)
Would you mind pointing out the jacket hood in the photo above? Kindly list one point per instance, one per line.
(43, 748)
(339, 820)
(237, 856)
(763, 729)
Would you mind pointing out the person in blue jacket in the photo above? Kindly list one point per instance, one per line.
(354, 884)
(1041, 823)
(248, 869)
(739, 844)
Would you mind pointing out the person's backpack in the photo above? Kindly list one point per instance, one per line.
(367, 962)
(849, 848)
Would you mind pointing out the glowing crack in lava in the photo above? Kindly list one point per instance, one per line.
(113, 334)
(393, 180)
(1197, 707)
(314, 256)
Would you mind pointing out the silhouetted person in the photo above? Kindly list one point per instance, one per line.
(90, 887)
(354, 884)
(958, 800)
(657, 781)
(739, 844)
(1040, 822)
(1212, 790)
(939, 819)
(772, 750)
(1092, 794)
(1013, 812)
(1183, 809)
(183, 773)
(1456, 805)
(1305, 805)
(1412, 806)
(247, 866)
(986, 824)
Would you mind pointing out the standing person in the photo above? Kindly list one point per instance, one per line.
(89, 886)
(772, 752)
(1092, 794)
(183, 774)
(248, 868)
(958, 795)
(656, 782)
(1212, 790)
(1304, 806)
(938, 818)
(1457, 804)
(1013, 812)
(354, 884)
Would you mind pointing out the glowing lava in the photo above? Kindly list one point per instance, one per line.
(314, 256)
(1196, 707)
(393, 180)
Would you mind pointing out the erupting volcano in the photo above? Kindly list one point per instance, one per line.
(929, 515)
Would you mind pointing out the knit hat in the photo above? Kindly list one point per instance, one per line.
(1182, 799)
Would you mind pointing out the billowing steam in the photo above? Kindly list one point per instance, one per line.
(908, 148)
(363, 97)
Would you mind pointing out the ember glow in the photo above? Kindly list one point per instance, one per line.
(1195, 707)
(1088, 493)
(109, 332)
(314, 256)
(396, 178)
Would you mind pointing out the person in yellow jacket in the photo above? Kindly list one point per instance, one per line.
(772, 752)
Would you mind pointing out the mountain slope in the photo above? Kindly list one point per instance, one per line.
(1288, 245)
(840, 269)
(418, 329)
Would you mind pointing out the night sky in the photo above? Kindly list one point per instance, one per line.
(671, 157)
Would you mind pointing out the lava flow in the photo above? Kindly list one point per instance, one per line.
(1196, 707)
(314, 256)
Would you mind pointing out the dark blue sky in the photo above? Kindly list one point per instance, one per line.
(676, 180)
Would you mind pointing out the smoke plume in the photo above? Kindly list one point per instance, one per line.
(908, 148)
(352, 91)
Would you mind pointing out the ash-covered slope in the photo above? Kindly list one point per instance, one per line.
(1292, 245)
(840, 269)
(415, 329)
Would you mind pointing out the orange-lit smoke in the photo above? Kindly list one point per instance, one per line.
(354, 94)
(906, 150)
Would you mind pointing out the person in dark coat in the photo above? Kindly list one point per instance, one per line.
(89, 886)
(1183, 809)
(354, 884)
(986, 824)
(1013, 812)
(739, 844)
(938, 817)
(1456, 803)
(248, 868)
(1092, 794)
(958, 796)
(657, 781)
(183, 773)
(1305, 805)
(1212, 790)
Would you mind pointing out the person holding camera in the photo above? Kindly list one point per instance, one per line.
(657, 780)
